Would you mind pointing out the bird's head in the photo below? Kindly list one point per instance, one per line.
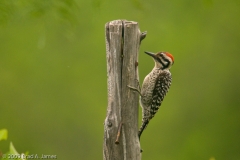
(163, 60)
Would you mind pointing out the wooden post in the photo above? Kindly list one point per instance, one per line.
(121, 140)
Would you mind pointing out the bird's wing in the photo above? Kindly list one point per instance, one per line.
(161, 88)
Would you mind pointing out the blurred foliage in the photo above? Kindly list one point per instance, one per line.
(3, 134)
(12, 153)
(61, 9)
(53, 90)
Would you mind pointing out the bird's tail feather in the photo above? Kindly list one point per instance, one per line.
(144, 126)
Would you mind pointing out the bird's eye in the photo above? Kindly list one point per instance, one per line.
(161, 55)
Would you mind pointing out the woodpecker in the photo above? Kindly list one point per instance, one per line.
(155, 86)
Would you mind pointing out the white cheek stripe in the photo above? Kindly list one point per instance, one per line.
(164, 61)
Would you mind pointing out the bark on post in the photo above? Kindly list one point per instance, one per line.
(122, 46)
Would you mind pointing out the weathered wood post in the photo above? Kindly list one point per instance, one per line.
(121, 124)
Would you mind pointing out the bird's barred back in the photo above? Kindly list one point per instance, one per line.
(161, 88)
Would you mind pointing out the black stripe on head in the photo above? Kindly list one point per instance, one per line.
(164, 59)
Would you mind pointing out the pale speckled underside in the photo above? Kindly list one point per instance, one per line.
(155, 86)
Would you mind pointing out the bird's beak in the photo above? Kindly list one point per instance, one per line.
(150, 54)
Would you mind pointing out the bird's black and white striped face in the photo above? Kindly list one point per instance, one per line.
(163, 60)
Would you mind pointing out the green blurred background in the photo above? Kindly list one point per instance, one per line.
(53, 82)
